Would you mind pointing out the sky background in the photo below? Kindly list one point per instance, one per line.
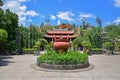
(64, 11)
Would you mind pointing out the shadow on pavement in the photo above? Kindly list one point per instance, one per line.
(4, 60)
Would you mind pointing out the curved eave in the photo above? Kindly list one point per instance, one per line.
(60, 32)
(60, 36)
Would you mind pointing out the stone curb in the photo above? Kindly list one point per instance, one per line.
(90, 67)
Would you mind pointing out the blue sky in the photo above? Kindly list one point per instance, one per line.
(64, 11)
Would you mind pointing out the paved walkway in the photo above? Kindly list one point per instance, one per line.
(18, 67)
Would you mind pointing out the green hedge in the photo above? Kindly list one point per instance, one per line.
(70, 57)
(29, 49)
(96, 49)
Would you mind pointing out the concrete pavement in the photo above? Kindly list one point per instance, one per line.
(18, 67)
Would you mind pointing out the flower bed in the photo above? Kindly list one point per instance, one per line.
(66, 60)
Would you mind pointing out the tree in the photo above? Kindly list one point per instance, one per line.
(113, 32)
(95, 38)
(9, 22)
(87, 44)
(3, 38)
(30, 35)
(37, 45)
(41, 44)
(1, 3)
(78, 42)
(3, 35)
(99, 21)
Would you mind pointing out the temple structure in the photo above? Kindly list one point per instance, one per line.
(61, 37)
(57, 34)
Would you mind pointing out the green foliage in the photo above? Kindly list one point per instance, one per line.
(109, 45)
(30, 35)
(12, 45)
(3, 35)
(95, 38)
(37, 45)
(87, 44)
(78, 41)
(96, 49)
(1, 3)
(49, 45)
(29, 49)
(8, 22)
(70, 57)
(113, 31)
(118, 45)
(43, 42)
(113, 36)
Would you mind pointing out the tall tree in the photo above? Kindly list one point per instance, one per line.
(1, 3)
(9, 22)
(99, 21)
(113, 33)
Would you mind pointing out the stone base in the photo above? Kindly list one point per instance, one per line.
(63, 67)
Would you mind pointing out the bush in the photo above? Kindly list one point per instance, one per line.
(37, 45)
(109, 45)
(29, 49)
(70, 57)
(96, 49)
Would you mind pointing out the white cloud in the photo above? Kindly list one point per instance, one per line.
(23, 0)
(13, 5)
(19, 8)
(117, 3)
(59, 22)
(83, 15)
(31, 13)
(22, 20)
(117, 20)
(52, 17)
(23, 8)
(65, 16)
